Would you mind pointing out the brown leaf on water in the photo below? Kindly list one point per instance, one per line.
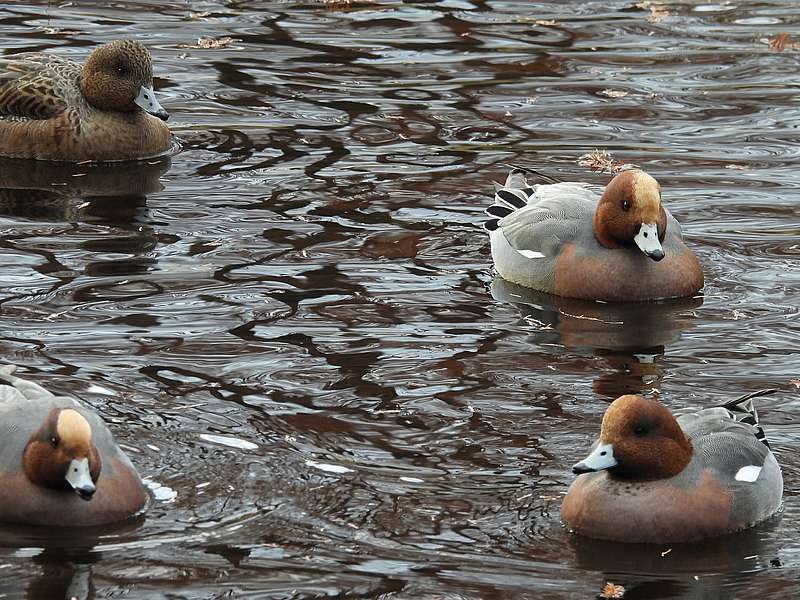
(795, 382)
(611, 590)
(57, 31)
(208, 42)
(779, 41)
(602, 161)
(657, 10)
(334, 4)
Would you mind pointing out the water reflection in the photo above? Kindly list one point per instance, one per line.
(64, 558)
(49, 191)
(629, 336)
(104, 196)
(711, 569)
(62, 577)
(311, 281)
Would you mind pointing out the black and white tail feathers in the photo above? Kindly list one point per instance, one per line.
(512, 196)
(743, 411)
(543, 176)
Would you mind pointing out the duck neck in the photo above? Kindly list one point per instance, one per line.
(601, 230)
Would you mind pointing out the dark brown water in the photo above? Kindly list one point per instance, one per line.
(293, 327)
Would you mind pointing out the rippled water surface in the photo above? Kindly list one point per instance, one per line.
(293, 329)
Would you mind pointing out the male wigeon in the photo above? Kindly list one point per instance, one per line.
(52, 108)
(559, 238)
(59, 465)
(654, 478)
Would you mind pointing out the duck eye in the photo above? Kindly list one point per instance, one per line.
(54, 442)
(639, 430)
(626, 205)
(122, 70)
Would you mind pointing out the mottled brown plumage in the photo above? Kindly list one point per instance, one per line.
(52, 108)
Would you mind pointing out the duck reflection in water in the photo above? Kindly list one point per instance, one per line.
(629, 336)
(114, 196)
(48, 191)
(715, 569)
(62, 560)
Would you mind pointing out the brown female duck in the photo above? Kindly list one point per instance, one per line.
(52, 108)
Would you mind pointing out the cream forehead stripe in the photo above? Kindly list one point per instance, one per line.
(645, 188)
(73, 428)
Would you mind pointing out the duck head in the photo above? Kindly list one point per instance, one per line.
(60, 455)
(119, 76)
(630, 212)
(640, 440)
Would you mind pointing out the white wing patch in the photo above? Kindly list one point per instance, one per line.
(531, 254)
(749, 473)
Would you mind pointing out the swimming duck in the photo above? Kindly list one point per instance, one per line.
(59, 465)
(656, 478)
(562, 239)
(52, 108)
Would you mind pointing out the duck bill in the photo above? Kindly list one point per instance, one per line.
(601, 458)
(146, 99)
(79, 476)
(648, 242)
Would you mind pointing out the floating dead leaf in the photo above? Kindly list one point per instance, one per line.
(600, 160)
(736, 167)
(341, 3)
(657, 10)
(208, 42)
(614, 93)
(57, 31)
(795, 382)
(611, 590)
(779, 42)
(735, 315)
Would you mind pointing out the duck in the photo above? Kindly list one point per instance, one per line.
(59, 464)
(564, 239)
(653, 477)
(52, 108)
